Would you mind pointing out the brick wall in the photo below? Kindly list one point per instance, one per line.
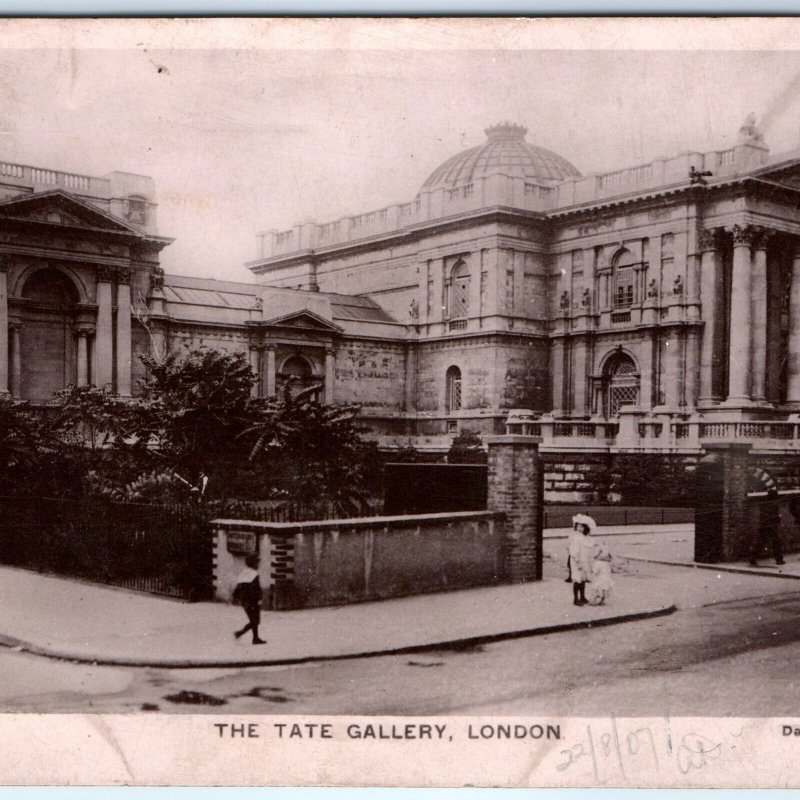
(515, 488)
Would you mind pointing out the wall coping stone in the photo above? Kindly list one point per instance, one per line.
(726, 444)
(513, 438)
(290, 528)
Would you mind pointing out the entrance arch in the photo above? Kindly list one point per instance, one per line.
(47, 349)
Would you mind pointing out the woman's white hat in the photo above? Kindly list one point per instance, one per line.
(584, 519)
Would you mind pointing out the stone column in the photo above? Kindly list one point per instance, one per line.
(124, 332)
(255, 367)
(739, 352)
(691, 368)
(516, 488)
(103, 345)
(758, 317)
(422, 294)
(557, 373)
(579, 408)
(16, 360)
(672, 362)
(269, 372)
(3, 327)
(793, 364)
(83, 357)
(410, 377)
(330, 374)
(710, 294)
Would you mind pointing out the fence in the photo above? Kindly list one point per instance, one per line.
(561, 516)
(165, 549)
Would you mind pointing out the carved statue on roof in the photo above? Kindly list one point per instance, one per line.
(750, 132)
(258, 304)
(157, 280)
(413, 309)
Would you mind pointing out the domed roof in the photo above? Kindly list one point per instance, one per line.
(505, 152)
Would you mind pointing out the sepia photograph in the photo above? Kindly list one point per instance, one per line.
(400, 387)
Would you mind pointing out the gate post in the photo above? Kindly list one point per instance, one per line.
(516, 487)
(722, 524)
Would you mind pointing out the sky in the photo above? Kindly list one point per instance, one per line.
(240, 141)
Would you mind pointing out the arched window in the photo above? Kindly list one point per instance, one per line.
(459, 290)
(453, 385)
(298, 372)
(51, 287)
(622, 384)
(297, 367)
(624, 293)
(45, 346)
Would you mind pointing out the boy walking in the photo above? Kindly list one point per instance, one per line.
(248, 593)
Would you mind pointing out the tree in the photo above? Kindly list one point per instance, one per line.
(28, 445)
(466, 448)
(315, 453)
(199, 403)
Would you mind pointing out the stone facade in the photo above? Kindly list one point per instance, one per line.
(635, 309)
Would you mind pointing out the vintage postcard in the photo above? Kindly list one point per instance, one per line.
(398, 402)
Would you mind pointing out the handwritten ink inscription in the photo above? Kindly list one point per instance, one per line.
(619, 750)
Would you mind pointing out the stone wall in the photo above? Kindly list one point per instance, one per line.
(312, 564)
(371, 373)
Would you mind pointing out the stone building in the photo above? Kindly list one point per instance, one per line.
(645, 308)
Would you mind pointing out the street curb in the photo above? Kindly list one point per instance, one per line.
(454, 644)
(714, 567)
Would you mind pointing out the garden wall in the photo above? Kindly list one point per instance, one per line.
(312, 564)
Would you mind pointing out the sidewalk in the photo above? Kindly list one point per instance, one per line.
(673, 545)
(79, 621)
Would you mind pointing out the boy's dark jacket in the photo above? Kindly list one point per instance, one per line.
(248, 594)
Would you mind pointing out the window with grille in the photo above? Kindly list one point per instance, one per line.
(459, 290)
(453, 389)
(623, 385)
(624, 291)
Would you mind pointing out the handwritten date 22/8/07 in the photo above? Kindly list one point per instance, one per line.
(640, 748)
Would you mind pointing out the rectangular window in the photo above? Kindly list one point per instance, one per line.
(624, 282)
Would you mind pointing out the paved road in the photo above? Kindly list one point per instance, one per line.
(731, 649)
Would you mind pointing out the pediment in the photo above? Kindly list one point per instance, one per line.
(304, 319)
(58, 207)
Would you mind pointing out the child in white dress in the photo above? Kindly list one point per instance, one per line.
(601, 574)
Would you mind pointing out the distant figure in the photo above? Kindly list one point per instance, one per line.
(580, 557)
(768, 529)
(248, 594)
(602, 584)
(202, 484)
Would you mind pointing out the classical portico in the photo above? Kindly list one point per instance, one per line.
(751, 311)
(68, 273)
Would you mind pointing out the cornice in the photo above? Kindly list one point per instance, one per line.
(402, 236)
